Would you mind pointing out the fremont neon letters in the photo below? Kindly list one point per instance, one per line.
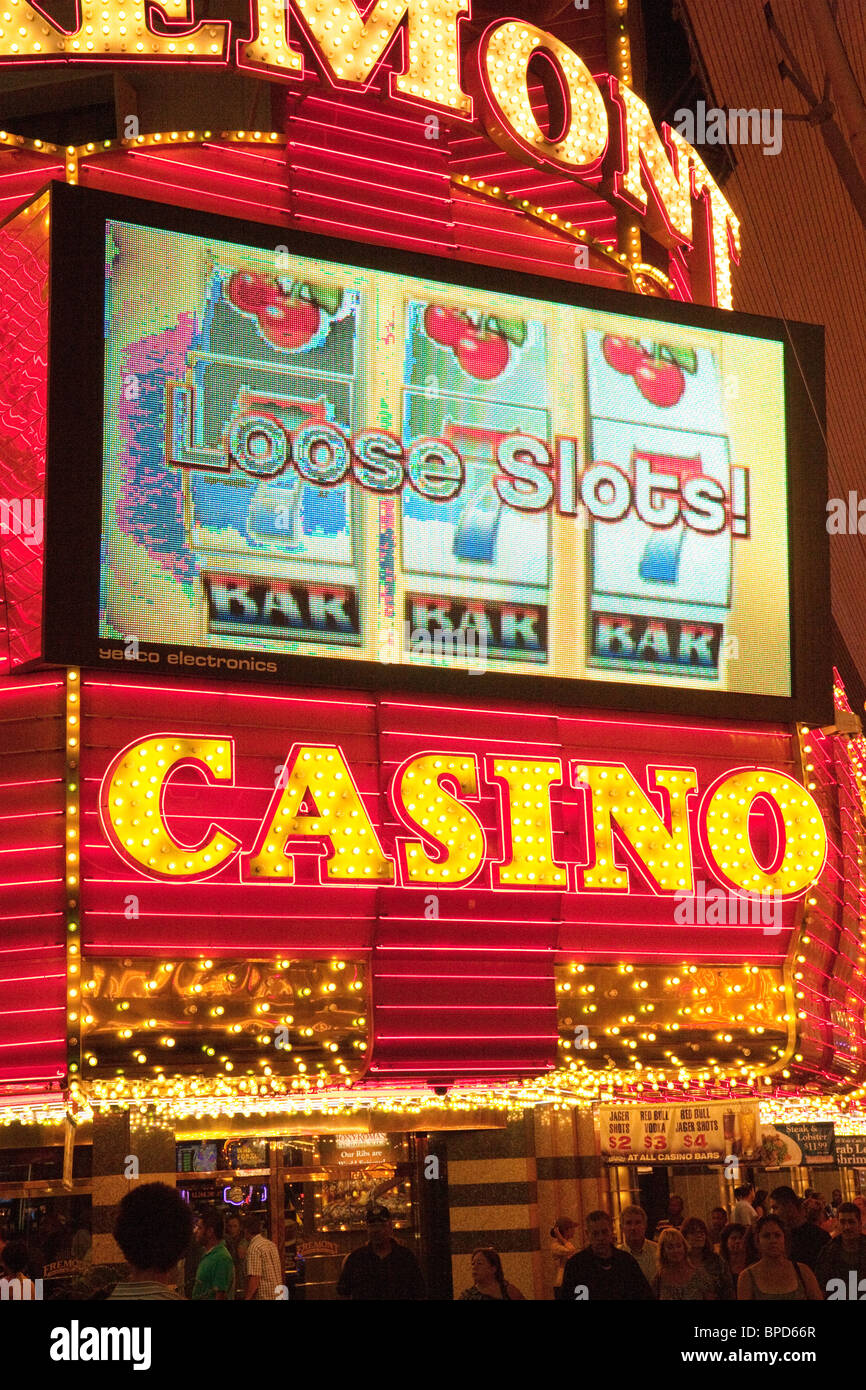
(316, 810)
(605, 124)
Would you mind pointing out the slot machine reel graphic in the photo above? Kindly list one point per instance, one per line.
(291, 315)
(660, 561)
(478, 527)
(277, 546)
(274, 515)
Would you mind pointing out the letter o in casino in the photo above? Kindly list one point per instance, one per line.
(498, 72)
(726, 834)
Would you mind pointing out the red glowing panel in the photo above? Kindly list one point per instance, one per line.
(32, 946)
(23, 399)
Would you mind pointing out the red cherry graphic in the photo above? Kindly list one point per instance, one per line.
(289, 322)
(249, 292)
(482, 355)
(660, 383)
(444, 326)
(623, 354)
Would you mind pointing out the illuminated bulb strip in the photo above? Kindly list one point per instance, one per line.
(577, 235)
(166, 138)
(73, 885)
(74, 154)
(22, 142)
(618, 42)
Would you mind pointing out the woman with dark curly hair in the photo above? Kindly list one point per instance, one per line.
(153, 1229)
(490, 1282)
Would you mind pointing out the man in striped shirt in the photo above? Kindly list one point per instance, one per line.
(264, 1267)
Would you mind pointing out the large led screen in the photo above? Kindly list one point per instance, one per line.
(304, 458)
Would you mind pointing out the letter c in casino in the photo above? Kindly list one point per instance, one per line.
(131, 805)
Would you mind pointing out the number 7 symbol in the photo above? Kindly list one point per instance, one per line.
(660, 561)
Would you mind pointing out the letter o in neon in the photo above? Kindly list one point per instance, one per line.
(321, 454)
(502, 60)
(258, 446)
(723, 824)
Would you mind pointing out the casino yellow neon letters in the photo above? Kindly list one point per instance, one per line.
(616, 797)
(724, 822)
(317, 810)
(527, 830)
(419, 795)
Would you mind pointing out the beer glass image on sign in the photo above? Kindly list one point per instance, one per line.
(308, 458)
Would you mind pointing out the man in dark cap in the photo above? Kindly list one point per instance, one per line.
(383, 1269)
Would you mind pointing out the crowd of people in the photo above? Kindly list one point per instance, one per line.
(775, 1246)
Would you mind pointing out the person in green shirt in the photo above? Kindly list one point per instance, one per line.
(215, 1276)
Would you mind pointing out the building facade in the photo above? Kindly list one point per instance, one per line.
(424, 775)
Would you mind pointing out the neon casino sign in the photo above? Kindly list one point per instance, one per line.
(604, 126)
(316, 810)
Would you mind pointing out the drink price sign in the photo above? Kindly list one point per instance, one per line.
(678, 1133)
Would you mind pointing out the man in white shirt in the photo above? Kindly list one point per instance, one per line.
(633, 1222)
(744, 1212)
(264, 1268)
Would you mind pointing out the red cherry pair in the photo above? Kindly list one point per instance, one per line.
(287, 321)
(659, 382)
(481, 354)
